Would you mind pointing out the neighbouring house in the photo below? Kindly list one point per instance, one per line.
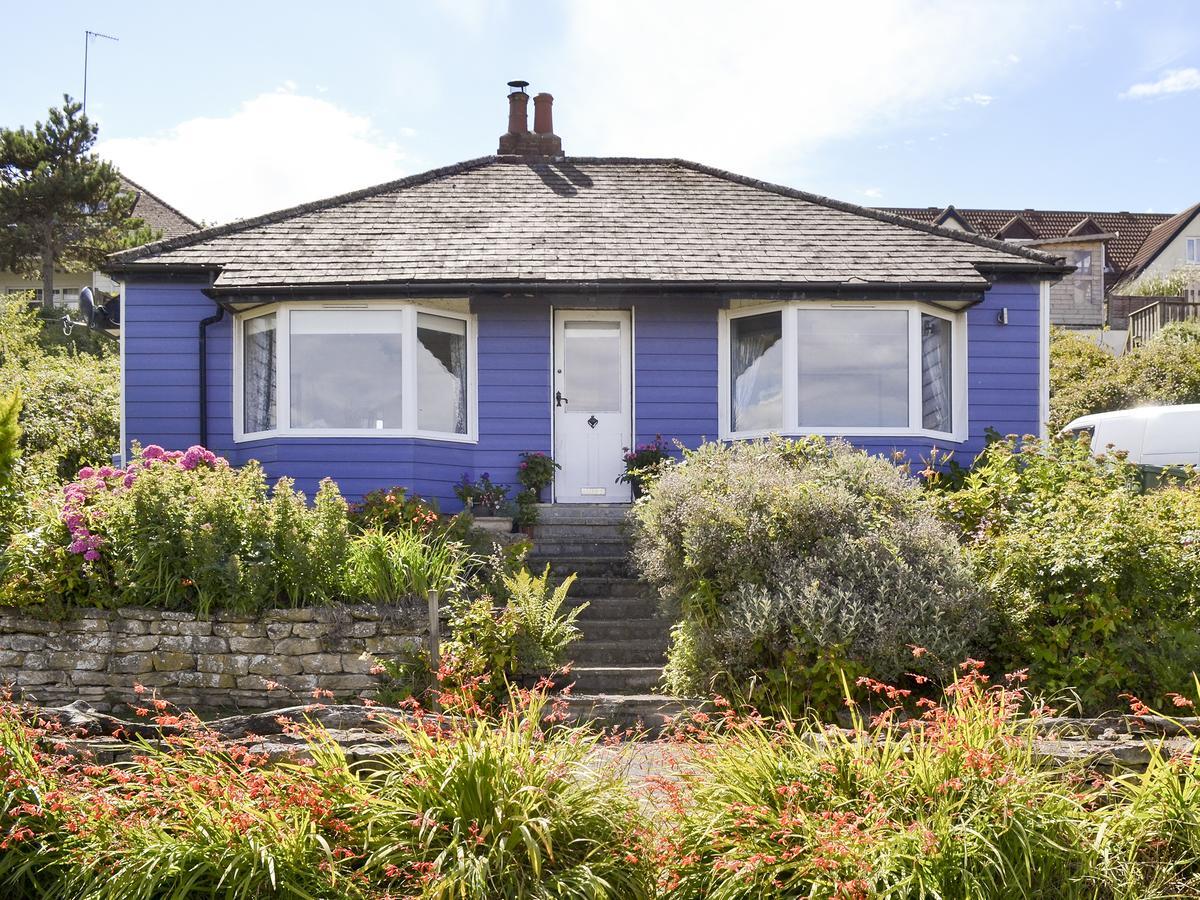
(1107, 249)
(1173, 245)
(159, 215)
(442, 324)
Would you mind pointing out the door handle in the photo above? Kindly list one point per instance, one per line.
(559, 399)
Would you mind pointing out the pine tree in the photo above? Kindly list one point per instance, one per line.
(61, 206)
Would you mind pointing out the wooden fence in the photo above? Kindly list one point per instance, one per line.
(1147, 321)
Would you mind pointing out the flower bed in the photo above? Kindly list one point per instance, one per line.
(953, 798)
(184, 530)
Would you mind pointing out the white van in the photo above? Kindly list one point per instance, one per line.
(1151, 435)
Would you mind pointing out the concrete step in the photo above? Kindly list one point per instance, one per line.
(611, 587)
(580, 547)
(614, 609)
(616, 679)
(628, 652)
(614, 566)
(648, 712)
(557, 532)
(582, 513)
(621, 628)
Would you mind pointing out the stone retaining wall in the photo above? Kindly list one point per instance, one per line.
(221, 662)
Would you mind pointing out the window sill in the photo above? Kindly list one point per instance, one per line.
(369, 433)
(847, 433)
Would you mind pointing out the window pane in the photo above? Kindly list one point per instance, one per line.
(258, 374)
(345, 369)
(441, 374)
(756, 372)
(853, 368)
(936, 369)
(592, 366)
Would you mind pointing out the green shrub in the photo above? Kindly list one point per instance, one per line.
(179, 530)
(954, 804)
(392, 508)
(389, 566)
(1096, 584)
(1084, 379)
(10, 436)
(1172, 284)
(504, 809)
(528, 637)
(475, 808)
(1165, 370)
(789, 561)
(69, 412)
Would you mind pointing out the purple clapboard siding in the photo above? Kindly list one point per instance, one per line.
(675, 373)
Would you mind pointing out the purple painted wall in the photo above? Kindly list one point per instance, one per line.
(675, 360)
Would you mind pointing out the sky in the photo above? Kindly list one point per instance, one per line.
(228, 110)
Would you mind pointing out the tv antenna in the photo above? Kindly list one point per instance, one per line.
(87, 40)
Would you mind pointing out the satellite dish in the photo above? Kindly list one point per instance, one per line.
(87, 307)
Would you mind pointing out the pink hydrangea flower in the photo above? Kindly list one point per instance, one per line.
(152, 452)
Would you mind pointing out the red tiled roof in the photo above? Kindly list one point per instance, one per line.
(1132, 229)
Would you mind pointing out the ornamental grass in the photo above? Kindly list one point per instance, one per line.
(506, 807)
(951, 803)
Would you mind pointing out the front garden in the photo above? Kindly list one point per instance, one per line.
(881, 654)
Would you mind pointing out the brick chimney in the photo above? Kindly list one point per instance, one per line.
(518, 140)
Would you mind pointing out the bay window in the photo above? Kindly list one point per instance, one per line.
(378, 369)
(830, 368)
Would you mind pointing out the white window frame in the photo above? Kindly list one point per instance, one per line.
(791, 414)
(409, 399)
(1191, 251)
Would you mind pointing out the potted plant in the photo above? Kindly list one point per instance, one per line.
(465, 491)
(486, 499)
(642, 464)
(536, 471)
(527, 511)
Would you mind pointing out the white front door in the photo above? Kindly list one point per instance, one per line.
(593, 404)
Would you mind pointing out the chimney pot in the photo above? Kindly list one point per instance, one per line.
(543, 114)
(518, 113)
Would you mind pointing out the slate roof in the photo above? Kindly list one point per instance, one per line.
(1158, 239)
(157, 213)
(1131, 229)
(579, 220)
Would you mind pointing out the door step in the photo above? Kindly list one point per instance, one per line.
(582, 513)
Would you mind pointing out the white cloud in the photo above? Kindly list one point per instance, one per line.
(1174, 82)
(975, 99)
(872, 193)
(274, 151)
(751, 84)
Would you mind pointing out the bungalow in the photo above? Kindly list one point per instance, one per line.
(442, 324)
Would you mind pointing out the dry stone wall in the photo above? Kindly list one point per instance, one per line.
(220, 662)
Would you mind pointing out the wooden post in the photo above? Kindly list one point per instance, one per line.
(435, 630)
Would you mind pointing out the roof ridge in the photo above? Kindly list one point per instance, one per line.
(158, 199)
(204, 234)
(1042, 212)
(877, 214)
